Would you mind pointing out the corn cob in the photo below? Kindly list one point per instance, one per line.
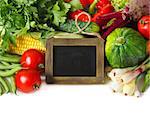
(26, 42)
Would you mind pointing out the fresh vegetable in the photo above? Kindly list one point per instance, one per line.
(34, 15)
(101, 7)
(129, 89)
(83, 17)
(119, 4)
(4, 85)
(32, 59)
(9, 59)
(10, 72)
(125, 80)
(125, 47)
(11, 84)
(146, 81)
(75, 5)
(28, 41)
(28, 80)
(85, 3)
(71, 27)
(144, 26)
(9, 65)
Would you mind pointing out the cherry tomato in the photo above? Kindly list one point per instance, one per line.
(33, 59)
(28, 80)
(144, 26)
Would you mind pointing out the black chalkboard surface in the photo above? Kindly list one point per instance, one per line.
(74, 61)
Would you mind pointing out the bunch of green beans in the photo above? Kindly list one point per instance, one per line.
(9, 65)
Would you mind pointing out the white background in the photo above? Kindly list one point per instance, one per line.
(74, 104)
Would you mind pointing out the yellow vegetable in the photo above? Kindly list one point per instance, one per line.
(28, 41)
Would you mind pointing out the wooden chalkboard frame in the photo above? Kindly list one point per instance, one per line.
(99, 78)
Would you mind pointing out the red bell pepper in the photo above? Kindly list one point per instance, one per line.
(101, 6)
(85, 3)
(83, 17)
(103, 10)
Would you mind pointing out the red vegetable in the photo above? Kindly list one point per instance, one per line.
(102, 3)
(83, 17)
(104, 10)
(101, 6)
(85, 3)
(144, 26)
(28, 80)
(33, 59)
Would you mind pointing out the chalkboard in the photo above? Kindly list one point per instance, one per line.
(74, 61)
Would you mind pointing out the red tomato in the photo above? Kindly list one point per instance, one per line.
(32, 59)
(28, 80)
(144, 26)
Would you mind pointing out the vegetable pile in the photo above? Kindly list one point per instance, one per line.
(123, 24)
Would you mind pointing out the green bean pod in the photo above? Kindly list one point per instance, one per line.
(1, 91)
(3, 83)
(10, 72)
(9, 59)
(5, 63)
(4, 67)
(11, 84)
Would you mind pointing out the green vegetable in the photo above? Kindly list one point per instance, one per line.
(119, 4)
(125, 47)
(75, 5)
(4, 67)
(70, 27)
(9, 59)
(17, 17)
(146, 81)
(10, 72)
(11, 84)
(3, 83)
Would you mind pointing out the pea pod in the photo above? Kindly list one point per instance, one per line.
(3, 83)
(11, 84)
(10, 72)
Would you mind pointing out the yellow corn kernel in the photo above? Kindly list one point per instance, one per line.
(26, 42)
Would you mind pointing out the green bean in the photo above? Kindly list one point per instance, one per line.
(4, 67)
(2, 81)
(1, 90)
(10, 72)
(8, 59)
(11, 84)
(11, 56)
(5, 63)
